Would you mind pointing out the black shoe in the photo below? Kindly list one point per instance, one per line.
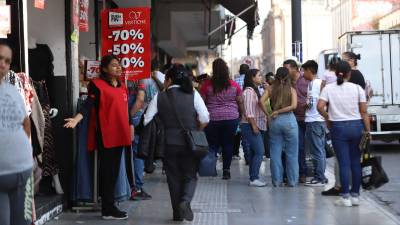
(178, 219)
(226, 175)
(185, 211)
(331, 192)
(138, 195)
(114, 215)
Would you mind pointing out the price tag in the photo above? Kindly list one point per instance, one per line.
(126, 34)
(92, 69)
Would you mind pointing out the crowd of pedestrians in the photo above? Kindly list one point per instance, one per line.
(283, 116)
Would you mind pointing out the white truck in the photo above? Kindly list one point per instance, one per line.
(380, 65)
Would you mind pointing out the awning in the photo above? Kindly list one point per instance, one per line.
(237, 6)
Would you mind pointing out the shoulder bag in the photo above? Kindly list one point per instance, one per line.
(195, 139)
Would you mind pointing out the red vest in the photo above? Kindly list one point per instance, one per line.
(112, 116)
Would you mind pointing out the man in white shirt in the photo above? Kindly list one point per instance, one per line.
(315, 125)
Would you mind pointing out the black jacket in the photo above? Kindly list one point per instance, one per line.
(151, 143)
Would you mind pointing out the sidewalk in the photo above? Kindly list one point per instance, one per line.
(219, 202)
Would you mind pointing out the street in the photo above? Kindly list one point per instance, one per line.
(233, 202)
(389, 195)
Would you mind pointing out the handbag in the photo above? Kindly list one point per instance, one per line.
(196, 140)
(373, 174)
(329, 150)
(208, 165)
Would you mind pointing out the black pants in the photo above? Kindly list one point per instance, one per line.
(181, 170)
(236, 144)
(16, 198)
(110, 161)
(129, 167)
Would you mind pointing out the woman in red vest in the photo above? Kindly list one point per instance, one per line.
(109, 129)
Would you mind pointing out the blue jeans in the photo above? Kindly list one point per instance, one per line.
(256, 152)
(302, 151)
(284, 135)
(221, 134)
(138, 164)
(315, 144)
(346, 136)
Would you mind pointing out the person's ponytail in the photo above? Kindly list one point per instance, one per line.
(342, 71)
(187, 85)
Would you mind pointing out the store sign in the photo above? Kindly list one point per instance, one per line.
(84, 15)
(5, 21)
(126, 34)
(92, 69)
(39, 4)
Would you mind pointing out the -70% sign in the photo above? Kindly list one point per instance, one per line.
(126, 34)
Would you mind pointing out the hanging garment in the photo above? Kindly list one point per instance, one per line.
(21, 82)
(49, 163)
(83, 169)
(37, 127)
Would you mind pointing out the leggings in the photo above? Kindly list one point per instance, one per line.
(16, 190)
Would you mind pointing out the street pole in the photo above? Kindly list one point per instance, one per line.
(248, 43)
(297, 46)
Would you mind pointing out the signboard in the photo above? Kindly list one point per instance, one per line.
(84, 15)
(92, 69)
(249, 61)
(126, 34)
(39, 4)
(5, 21)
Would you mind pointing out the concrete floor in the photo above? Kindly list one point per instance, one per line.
(219, 202)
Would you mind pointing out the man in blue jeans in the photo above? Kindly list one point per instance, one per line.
(136, 105)
(315, 125)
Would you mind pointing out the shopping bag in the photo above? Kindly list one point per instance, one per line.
(208, 165)
(330, 152)
(373, 174)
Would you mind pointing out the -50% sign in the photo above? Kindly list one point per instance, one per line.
(126, 48)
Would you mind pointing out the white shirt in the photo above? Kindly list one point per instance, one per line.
(329, 77)
(15, 148)
(343, 101)
(199, 105)
(313, 92)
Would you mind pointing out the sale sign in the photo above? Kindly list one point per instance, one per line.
(39, 4)
(126, 34)
(92, 69)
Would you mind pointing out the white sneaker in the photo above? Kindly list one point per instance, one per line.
(346, 202)
(355, 201)
(257, 183)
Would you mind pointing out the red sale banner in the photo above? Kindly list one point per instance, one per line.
(39, 4)
(126, 34)
(84, 15)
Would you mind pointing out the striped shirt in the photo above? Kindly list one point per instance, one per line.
(252, 109)
(222, 105)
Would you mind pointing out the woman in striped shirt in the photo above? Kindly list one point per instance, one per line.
(254, 124)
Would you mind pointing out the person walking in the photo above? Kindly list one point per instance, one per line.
(180, 164)
(223, 100)
(109, 129)
(254, 125)
(315, 125)
(356, 77)
(239, 139)
(283, 129)
(348, 119)
(16, 161)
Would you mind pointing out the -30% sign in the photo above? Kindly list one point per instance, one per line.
(127, 34)
(133, 61)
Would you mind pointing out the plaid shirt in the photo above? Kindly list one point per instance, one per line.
(240, 80)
